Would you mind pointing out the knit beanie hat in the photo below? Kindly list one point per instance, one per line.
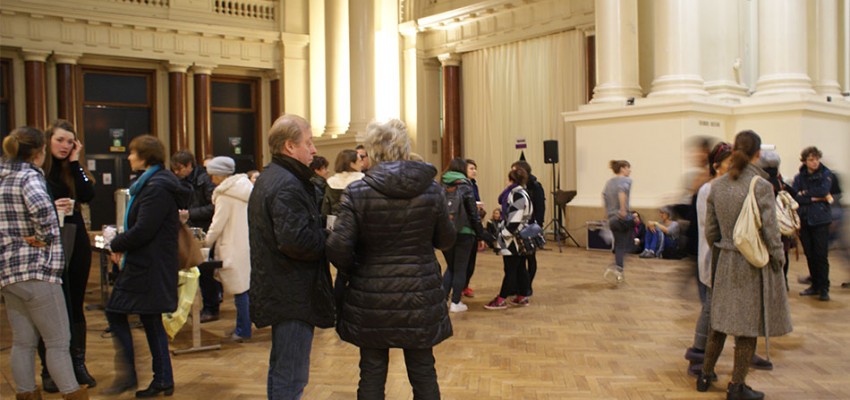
(221, 166)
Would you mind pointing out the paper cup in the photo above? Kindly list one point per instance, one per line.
(71, 210)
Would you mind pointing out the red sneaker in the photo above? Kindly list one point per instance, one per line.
(468, 292)
(520, 301)
(498, 303)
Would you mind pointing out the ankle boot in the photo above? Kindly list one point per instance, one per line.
(740, 391)
(704, 381)
(34, 395)
(81, 394)
(78, 355)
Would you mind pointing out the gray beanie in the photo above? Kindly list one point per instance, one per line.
(769, 159)
(221, 166)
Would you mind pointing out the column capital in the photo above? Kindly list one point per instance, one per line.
(66, 58)
(203, 69)
(449, 59)
(271, 74)
(177, 66)
(35, 55)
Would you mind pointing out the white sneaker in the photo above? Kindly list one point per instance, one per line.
(614, 275)
(458, 307)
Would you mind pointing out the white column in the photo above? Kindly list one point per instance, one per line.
(720, 53)
(336, 66)
(616, 51)
(361, 19)
(782, 49)
(677, 49)
(825, 54)
(845, 34)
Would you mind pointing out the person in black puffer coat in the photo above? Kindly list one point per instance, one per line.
(387, 227)
(813, 184)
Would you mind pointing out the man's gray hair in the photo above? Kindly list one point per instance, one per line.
(388, 141)
(286, 127)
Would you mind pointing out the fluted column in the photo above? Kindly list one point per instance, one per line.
(720, 50)
(66, 86)
(361, 19)
(177, 107)
(203, 133)
(782, 49)
(36, 87)
(451, 107)
(616, 51)
(825, 57)
(677, 50)
(337, 91)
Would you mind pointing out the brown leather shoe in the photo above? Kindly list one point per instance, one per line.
(34, 395)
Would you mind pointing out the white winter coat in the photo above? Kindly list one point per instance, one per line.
(229, 231)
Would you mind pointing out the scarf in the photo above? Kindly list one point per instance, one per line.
(503, 199)
(134, 190)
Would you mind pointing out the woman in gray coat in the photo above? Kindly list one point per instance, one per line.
(746, 302)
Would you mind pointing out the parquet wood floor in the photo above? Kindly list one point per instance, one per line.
(580, 339)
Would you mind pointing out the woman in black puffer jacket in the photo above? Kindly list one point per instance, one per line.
(387, 227)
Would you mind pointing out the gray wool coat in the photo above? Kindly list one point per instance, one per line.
(740, 290)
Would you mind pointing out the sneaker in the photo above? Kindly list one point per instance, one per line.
(824, 295)
(498, 303)
(810, 292)
(614, 274)
(468, 292)
(520, 301)
(647, 254)
(458, 307)
(234, 338)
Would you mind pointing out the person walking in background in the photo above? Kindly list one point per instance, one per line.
(388, 225)
(146, 253)
(31, 266)
(746, 301)
(538, 201)
(472, 175)
(290, 277)
(468, 226)
(516, 215)
(616, 197)
(229, 232)
(71, 185)
(199, 215)
(813, 184)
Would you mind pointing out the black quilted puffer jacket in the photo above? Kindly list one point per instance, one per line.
(384, 237)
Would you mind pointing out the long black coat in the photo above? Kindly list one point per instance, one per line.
(148, 282)
(387, 227)
(290, 276)
(200, 207)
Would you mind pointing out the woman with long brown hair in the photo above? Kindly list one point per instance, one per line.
(746, 301)
(71, 185)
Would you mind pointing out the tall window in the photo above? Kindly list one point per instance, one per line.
(235, 120)
(6, 110)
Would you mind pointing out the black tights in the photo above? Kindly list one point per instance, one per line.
(745, 347)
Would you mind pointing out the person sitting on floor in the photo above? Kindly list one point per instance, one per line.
(639, 234)
(661, 236)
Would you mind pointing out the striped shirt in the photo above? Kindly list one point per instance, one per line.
(26, 209)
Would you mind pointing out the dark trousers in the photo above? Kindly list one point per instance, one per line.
(457, 260)
(815, 240)
(515, 280)
(157, 343)
(531, 261)
(211, 291)
(374, 364)
(473, 256)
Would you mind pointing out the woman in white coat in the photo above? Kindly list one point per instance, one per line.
(229, 230)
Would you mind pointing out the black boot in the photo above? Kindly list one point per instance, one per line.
(704, 381)
(740, 391)
(78, 355)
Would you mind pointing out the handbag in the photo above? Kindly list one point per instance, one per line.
(786, 214)
(747, 235)
(530, 239)
(188, 249)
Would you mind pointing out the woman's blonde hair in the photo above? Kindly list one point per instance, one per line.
(388, 141)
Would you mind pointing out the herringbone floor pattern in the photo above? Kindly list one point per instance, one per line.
(579, 339)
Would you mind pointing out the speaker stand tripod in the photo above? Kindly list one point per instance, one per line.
(558, 231)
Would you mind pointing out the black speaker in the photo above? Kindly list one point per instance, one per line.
(550, 151)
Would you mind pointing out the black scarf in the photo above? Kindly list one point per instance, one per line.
(301, 171)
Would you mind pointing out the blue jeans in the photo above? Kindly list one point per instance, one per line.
(157, 343)
(37, 309)
(243, 316)
(289, 362)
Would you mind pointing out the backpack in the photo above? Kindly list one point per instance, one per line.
(457, 211)
(786, 214)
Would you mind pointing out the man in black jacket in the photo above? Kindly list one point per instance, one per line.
(199, 215)
(538, 204)
(290, 277)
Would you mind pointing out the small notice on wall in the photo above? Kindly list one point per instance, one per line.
(91, 164)
(117, 149)
(106, 178)
(117, 135)
(520, 143)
